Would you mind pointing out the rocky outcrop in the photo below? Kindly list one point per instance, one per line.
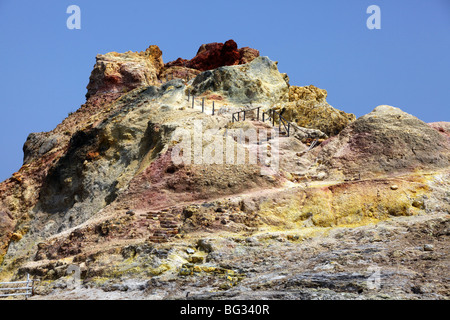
(115, 73)
(37, 145)
(442, 126)
(103, 191)
(121, 72)
(256, 82)
(214, 55)
(308, 94)
(178, 72)
(308, 108)
(385, 141)
(7, 224)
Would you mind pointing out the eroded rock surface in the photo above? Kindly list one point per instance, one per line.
(121, 72)
(104, 191)
(256, 82)
(308, 108)
(385, 141)
(214, 55)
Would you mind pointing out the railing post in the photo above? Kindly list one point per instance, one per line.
(257, 114)
(244, 116)
(273, 118)
(213, 109)
(203, 105)
(27, 284)
(263, 116)
(279, 123)
(193, 99)
(189, 95)
(289, 128)
(32, 287)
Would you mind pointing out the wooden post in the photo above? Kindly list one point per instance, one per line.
(263, 116)
(244, 116)
(289, 128)
(257, 114)
(189, 95)
(203, 105)
(239, 116)
(213, 109)
(273, 118)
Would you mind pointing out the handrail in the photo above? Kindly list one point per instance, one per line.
(29, 288)
(281, 121)
(244, 112)
(270, 114)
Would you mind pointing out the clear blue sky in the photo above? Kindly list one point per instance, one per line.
(45, 67)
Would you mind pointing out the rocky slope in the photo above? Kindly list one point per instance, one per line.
(105, 192)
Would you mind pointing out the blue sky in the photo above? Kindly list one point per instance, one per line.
(45, 66)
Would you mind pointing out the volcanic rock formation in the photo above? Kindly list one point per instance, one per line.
(308, 108)
(328, 197)
(385, 141)
(120, 72)
(256, 82)
(214, 55)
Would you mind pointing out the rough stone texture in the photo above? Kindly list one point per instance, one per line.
(178, 72)
(309, 93)
(442, 127)
(102, 191)
(247, 55)
(256, 82)
(377, 262)
(37, 145)
(387, 140)
(7, 224)
(308, 108)
(214, 55)
(121, 72)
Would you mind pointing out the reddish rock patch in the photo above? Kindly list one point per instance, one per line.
(214, 55)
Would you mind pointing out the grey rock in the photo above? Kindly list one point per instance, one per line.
(205, 245)
(258, 81)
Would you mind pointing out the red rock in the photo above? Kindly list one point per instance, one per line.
(214, 55)
(247, 55)
(179, 63)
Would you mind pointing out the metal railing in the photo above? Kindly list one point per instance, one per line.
(203, 103)
(271, 115)
(266, 115)
(17, 288)
(244, 112)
